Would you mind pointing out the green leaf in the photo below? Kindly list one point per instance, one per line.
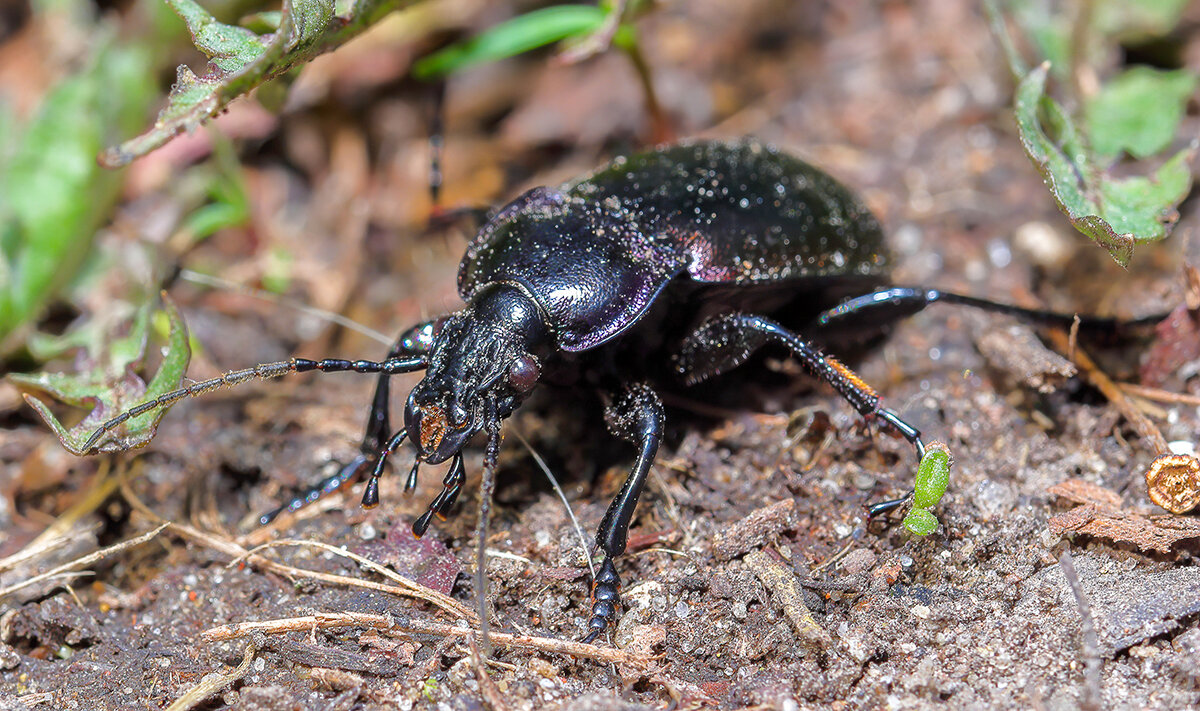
(107, 383)
(241, 60)
(1139, 111)
(512, 37)
(933, 476)
(1116, 213)
(921, 522)
(1137, 20)
(53, 196)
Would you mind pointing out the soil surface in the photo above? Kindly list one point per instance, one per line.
(753, 578)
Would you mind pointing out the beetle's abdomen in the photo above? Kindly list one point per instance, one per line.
(743, 212)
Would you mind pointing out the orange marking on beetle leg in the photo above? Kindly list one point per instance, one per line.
(851, 377)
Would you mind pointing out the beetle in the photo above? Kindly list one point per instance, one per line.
(671, 265)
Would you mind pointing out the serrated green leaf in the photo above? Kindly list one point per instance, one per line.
(107, 384)
(229, 47)
(241, 60)
(512, 37)
(1116, 213)
(933, 476)
(1138, 111)
(921, 522)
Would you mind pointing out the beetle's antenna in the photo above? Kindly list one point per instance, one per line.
(487, 488)
(262, 371)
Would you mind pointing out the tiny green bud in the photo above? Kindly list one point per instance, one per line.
(921, 522)
(933, 475)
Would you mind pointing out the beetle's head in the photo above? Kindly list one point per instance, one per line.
(481, 368)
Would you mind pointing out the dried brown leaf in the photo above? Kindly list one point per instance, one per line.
(1100, 515)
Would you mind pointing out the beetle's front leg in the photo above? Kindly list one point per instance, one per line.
(378, 440)
(636, 414)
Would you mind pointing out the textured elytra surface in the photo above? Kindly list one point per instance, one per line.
(597, 254)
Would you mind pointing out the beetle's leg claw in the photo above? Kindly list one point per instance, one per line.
(605, 596)
(345, 473)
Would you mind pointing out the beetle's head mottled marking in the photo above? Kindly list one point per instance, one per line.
(481, 354)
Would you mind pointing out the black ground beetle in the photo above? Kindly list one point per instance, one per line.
(658, 268)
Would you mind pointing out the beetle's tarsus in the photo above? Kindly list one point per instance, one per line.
(326, 486)
(606, 597)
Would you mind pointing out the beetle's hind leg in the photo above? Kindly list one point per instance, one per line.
(636, 414)
(726, 341)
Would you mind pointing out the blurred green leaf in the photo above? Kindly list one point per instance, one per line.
(921, 522)
(1138, 111)
(1133, 20)
(1115, 212)
(512, 37)
(241, 60)
(228, 203)
(53, 196)
(106, 383)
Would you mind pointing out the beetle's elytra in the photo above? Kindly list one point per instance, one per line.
(664, 268)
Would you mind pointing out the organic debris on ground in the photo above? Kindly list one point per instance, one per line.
(753, 578)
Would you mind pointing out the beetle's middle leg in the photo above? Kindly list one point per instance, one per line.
(726, 341)
(636, 414)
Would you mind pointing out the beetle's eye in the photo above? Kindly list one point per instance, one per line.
(523, 373)
(458, 415)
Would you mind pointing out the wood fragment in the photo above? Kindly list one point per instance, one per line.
(789, 594)
(210, 685)
(409, 626)
(1091, 698)
(755, 530)
(1100, 514)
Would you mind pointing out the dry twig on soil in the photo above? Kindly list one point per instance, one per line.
(409, 626)
(199, 693)
(233, 550)
(83, 561)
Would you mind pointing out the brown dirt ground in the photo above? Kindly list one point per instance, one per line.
(905, 101)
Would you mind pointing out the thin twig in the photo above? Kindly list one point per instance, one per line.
(233, 550)
(199, 693)
(83, 561)
(487, 687)
(1160, 395)
(1091, 698)
(62, 530)
(416, 589)
(410, 626)
(1141, 424)
(583, 541)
